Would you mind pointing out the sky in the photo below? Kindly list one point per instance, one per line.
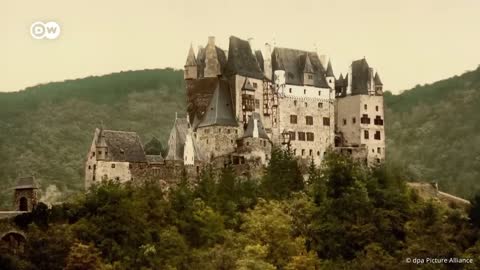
(408, 42)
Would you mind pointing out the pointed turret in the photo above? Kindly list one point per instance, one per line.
(378, 84)
(377, 79)
(308, 71)
(190, 66)
(219, 112)
(330, 76)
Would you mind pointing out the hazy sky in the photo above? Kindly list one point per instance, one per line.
(408, 41)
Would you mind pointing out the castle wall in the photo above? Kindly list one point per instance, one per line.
(113, 171)
(323, 134)
(216, 140)
(255, 148)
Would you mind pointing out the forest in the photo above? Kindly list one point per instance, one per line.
(344, 216)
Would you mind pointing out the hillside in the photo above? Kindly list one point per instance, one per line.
(433, 130)
(47, 129)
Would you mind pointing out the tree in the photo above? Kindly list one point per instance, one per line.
(84, 257)
(154, 147)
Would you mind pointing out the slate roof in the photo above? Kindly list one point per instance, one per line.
(307, 68)
(220, 110)
(26, 183)
(330, 70)
(360, 77)
(191, 60)
(154, 158)
(241, 60)
(377, 79)
(123, 146)
(293, 62)
(222, 59)
(260, 61)
(251, 129)
(176, 143)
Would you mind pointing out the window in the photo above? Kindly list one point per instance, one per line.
(301, 136)
(365, 119)
(310, 136)
(290, 90)
(306, 104)
(326, 121)
(93, 154)
(264, 143)
(319, 93)
(106, 153)
(99, 152)
(318, 153)
(304, 91)
(257, 103)
(378, 160)
(303, 152)
(377, 135)
(113, 166)
(376, 108)
(320, 105)
(365, 134)
(354, 120)
(310, 76)
(311, 152)
(309, 120)
(228, 131)
(207, 141)
(292, 135)
(378, 120)
(117, 178)
(294, 152)
(344, 121)
(293, 119)
(294, 103)
(130, 166)
(219, 130)
(379, 150)
(89, 167)
(94, 166)
(255, 85)
(365, 106)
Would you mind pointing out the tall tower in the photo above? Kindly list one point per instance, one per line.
(26, 194)
(330, 76)
(190, 71)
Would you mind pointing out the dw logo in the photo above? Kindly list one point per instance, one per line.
(49, 30)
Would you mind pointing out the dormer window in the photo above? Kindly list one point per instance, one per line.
(310, 76)
(255, 85)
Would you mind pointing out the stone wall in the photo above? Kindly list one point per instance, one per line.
(216, 140)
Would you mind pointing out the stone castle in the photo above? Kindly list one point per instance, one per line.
(241, 102)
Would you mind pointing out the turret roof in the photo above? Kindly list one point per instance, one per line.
(255, 128)
(219, 112)
(330, 69)
(377, 79)
(191, 60)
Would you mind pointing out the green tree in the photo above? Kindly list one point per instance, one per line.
(84, 257)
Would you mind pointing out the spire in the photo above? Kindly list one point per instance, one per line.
(191, 60)
(308, 68)
(341, 77)
(377, 79)
(330, 70)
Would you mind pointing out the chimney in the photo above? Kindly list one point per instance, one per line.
(250, 42)
(323, 60)
(211, 40)
(267, 63)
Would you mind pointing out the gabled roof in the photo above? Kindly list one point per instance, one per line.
(241, 60)
(247, 85)
(377, 79)
(360, 76)
(330, 69)
(26, 183)
(293, 62)
(220, 110)
(191, 60)
(176, 142)
(123, 146)
(255, 128)
(307, 68)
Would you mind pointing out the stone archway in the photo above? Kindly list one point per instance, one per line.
(23, 204)
(13, 241)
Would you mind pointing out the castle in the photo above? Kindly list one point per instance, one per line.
(241, 102)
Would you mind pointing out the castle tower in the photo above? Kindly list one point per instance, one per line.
(378, 84)
(308, 71)
(267, 62)
(330, 76)
(101, 146)
(190, 71)
(212, 65)
(26, 194)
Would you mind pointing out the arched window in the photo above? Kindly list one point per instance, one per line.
(23, 204)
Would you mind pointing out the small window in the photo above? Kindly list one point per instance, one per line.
(113, 166)
(95, 166)
(228, 131)
(379, 150)
(294, 152)
(304, 91)
(354, 120)
(264, 143)
(219, 130)
(310, 76)
(320, 105)
(306, 104)
(344, 121)
(319, 93)
(89, 167)
(293, 119)
(294, 103)
(326, 121)
(365, 134)
(290, 90)
(301, 136)
(376, 108)
(99, 152)
(365, 106)
(207, 141)
(309, 120)
(117, 178)
(311, 152)
(255, 85)
(130, 166)
(303, 152)
(318, 153)
(292, 136)
(377, 135)
(310, 136)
